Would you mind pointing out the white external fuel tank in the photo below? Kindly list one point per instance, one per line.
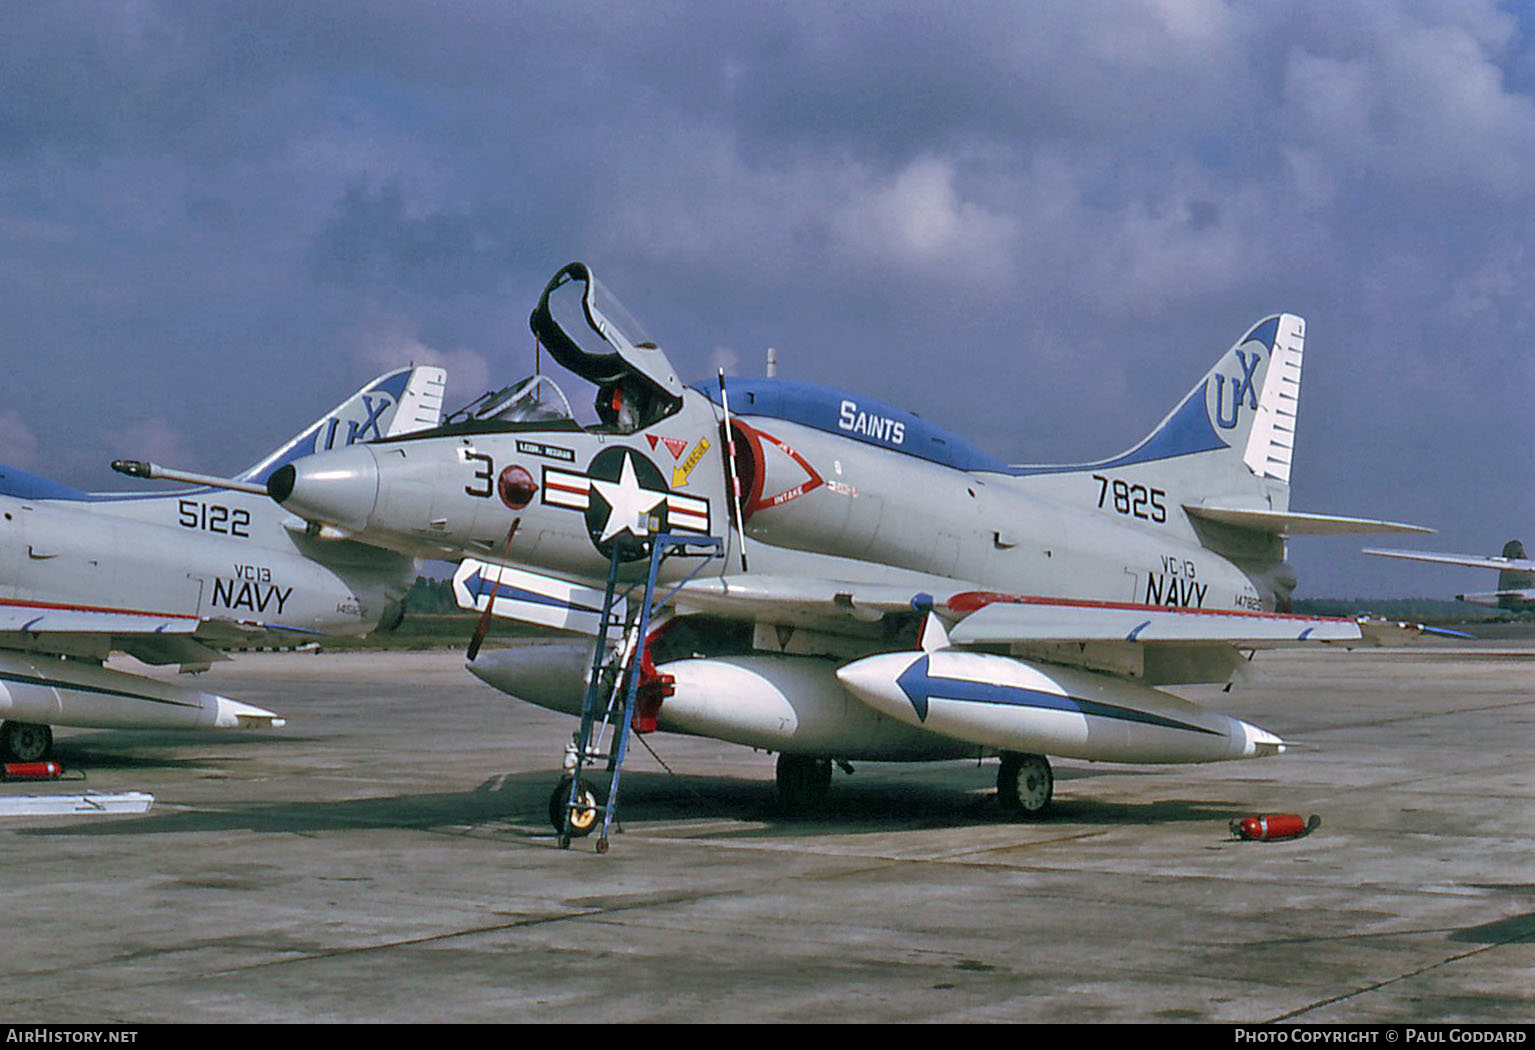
(788, 704)
(793, 705)
(1013, 705)
(49, 691)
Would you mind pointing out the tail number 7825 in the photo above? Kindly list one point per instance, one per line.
(1133, 501)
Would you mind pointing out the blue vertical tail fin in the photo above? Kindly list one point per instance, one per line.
(397, 402)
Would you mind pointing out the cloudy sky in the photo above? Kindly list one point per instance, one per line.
(1037, 224)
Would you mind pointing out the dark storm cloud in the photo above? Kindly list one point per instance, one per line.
(372, 243)
(1037, 224)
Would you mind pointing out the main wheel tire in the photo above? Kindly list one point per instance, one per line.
(803, 783)
(25, 742)
(584, 818)
(1025, 785)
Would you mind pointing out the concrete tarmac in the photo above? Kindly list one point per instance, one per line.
(387, 857)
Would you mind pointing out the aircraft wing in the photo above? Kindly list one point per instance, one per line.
(983, 618)
(54, 618)
(794, 599)
(1009, 620)
(1159, 644)
(157, 638)
(1475, 561)
(548, 601)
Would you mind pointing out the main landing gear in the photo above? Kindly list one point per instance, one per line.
(25, 742)
(803, 783)
(1025, 785)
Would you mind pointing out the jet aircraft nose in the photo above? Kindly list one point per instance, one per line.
(339, 488)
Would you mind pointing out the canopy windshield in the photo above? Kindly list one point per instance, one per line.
(587, 330)
(534, 399)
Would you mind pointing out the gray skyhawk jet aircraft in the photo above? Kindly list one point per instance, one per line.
(170, 576)
(890, 591)
(1516, 574)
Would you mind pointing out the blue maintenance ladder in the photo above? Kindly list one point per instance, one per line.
(607, 712)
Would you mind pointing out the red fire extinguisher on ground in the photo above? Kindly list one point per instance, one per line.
(1273, 826)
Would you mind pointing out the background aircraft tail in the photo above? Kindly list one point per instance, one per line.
(1515, 579)
(1516, 573)
(394, 403)
(1516, 584)
(397, 402)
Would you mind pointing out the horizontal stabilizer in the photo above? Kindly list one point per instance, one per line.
(1291, 523)
(1474, 561)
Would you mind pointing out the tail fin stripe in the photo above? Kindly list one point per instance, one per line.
(1186, 432)
(371, 413)
(1231, 440)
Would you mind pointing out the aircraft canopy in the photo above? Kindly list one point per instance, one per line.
(587, 330)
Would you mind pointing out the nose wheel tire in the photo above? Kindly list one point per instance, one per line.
(1025, 785)
(583, 818)
(25, 742)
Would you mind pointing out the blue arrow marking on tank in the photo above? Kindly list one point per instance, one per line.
(479, 585)
(921, 686)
